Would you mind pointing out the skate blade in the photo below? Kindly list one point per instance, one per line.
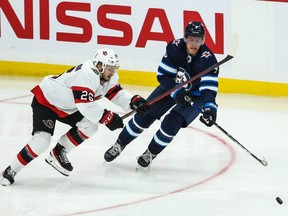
(142, 169)
(4, 182)
(51, 161)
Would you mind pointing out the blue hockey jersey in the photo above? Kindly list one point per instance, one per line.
(176, 58)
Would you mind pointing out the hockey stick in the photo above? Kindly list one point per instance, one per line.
(233, 48)
(263, 161)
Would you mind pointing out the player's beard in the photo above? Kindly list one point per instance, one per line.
(106, 78)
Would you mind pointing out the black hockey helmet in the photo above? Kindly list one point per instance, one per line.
(195, 29)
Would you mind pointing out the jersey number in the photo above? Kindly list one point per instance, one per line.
(87, 96)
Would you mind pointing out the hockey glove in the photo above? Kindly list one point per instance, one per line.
(139, 104)
(111, 120)
(209, 114)
(181, 76)
(182, 96)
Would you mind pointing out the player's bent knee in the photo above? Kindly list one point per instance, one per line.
(172, 123)
(144, 121)
(40, 142)
(86, 127)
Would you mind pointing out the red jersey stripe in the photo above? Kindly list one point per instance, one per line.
(37, 91)
(80, 88)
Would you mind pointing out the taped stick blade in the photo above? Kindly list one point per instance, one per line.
(264, 162)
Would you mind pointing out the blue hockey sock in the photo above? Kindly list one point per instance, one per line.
(132, 130)
(169, 128)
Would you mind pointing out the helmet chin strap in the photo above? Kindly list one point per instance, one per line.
(101, 75)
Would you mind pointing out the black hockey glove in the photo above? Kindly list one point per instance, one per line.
(209, 114)
(139, 104)
(111, 120)
(182, 96)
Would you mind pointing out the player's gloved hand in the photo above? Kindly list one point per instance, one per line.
(209, 114)
(180, 76)
(139, 104)
(111, 120)
(182, 96)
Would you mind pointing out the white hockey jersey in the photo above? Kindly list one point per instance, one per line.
(80, 88)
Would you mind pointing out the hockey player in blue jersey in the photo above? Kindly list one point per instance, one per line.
(184, 58)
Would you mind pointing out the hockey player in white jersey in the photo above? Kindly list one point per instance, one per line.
(73, 98)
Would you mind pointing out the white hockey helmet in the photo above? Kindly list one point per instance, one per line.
(106, 56)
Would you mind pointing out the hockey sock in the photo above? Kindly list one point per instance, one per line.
(169, 128)
(134, 128)
(130, 132)
(72, 139)
(38, 144)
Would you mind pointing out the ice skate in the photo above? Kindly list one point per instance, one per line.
(145, 160)
(7, 177)
(113, 152)
(59, 161)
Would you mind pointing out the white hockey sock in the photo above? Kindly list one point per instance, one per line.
(37, 145)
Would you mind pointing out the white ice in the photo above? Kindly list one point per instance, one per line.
(202, 172)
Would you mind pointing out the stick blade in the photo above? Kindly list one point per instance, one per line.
(233, 45)
(264, 162)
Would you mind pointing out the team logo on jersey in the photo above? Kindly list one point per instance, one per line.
(49, 123)
(205, 54)
(181, 77)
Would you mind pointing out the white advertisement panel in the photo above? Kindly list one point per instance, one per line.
(68, 32)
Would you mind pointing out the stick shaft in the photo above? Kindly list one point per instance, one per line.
(207, 70)
(264, 163)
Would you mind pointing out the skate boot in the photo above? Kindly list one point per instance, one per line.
(114, 151)
(145, 160)
(7, 177)
(59, 161)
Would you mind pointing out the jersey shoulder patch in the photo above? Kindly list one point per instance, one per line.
(206, 54)
(176, 42)
(174, 48)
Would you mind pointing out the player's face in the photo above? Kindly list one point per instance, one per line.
(193, 44)
(108, 72)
